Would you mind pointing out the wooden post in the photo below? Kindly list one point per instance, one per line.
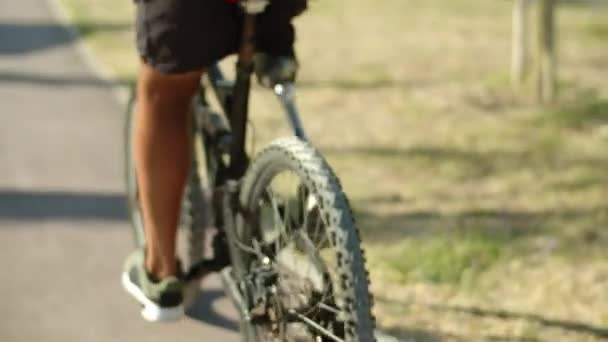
(519, 44)
(546, 68)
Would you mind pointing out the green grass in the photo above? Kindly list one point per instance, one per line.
(583, 114)
(598, 30)
(444, 259)
(484, 215)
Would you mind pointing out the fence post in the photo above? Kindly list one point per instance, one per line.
(519, 44)
(546, 64)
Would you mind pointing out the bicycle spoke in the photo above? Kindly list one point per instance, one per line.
(304, 234)
(316, 326)
(276, 215)
(286, 217)
(317, 230)
(328, 308)
(302, 254)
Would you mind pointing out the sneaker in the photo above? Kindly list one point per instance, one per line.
(272, 70)
(161, 300)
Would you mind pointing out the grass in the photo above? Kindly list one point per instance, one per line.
(598, 31)
(579, 115)
(444, 259)
(484, 215)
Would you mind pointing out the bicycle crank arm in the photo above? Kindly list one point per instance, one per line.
(205, 267)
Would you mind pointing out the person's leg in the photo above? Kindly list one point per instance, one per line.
(176, 39)
(162, 157)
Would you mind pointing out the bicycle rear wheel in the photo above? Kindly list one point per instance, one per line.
(300, 250)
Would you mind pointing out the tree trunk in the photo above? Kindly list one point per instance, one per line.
(546, 70)
(519, 49)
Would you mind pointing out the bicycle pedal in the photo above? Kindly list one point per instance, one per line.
(202, 269)
(220, 249)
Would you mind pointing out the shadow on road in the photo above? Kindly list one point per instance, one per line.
(350, 84)
(567, 325)
(202, 311)
(59, 80)
(574, 326)
(23, 38)
(49, 205)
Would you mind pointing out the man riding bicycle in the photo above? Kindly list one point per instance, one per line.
(177, 40)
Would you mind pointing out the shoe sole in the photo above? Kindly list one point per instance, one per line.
(151, 311)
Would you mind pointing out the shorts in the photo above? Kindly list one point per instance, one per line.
(176, 36)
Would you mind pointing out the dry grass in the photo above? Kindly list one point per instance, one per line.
(484, 215)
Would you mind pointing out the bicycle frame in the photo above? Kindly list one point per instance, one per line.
(249, 260)
(233, 98)
(285, 93)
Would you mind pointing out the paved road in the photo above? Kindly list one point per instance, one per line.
(63, 228)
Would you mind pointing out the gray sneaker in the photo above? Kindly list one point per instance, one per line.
(162, 300)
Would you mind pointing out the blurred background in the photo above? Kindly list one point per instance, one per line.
(471, 138)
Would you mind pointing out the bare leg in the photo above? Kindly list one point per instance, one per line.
(162, 156)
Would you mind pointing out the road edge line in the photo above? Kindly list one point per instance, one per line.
(85, 52)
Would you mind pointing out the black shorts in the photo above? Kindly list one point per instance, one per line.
(184, 35)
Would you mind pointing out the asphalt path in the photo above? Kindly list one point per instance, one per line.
(63, 223)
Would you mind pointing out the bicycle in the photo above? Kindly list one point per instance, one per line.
(274, 236)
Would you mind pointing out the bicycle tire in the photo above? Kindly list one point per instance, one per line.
(300, 158)
(194, 218)
(134, 209)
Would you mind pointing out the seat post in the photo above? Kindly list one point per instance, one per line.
(238, 115)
